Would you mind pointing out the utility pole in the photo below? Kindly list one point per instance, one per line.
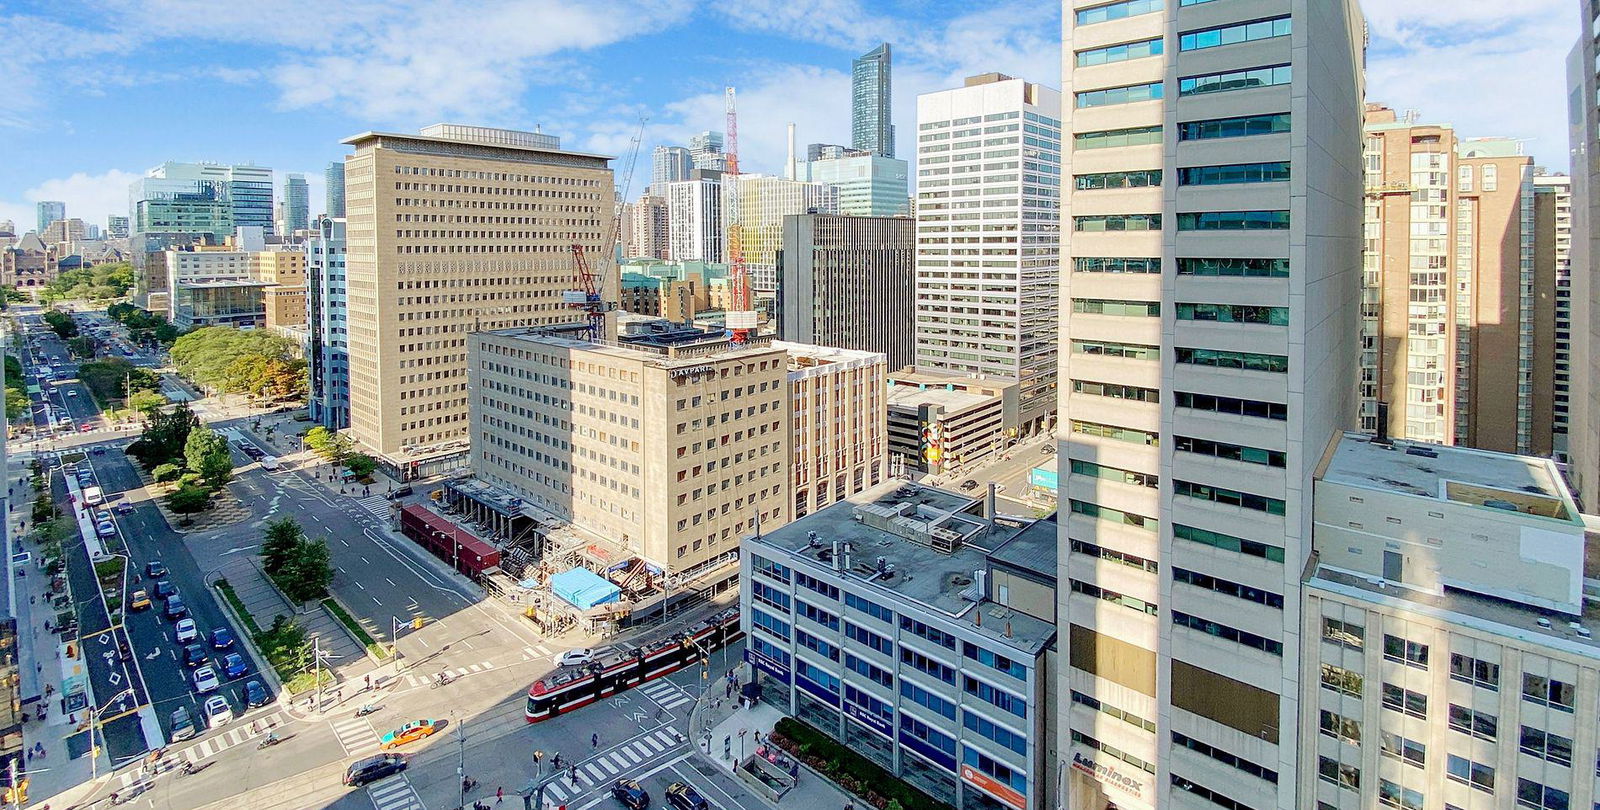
(461, 770)
(394, 644)
(316, 667)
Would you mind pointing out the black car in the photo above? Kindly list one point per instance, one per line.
(155, 570)
(165, 588)
(969, 484)
(194, 655)
(630, 794)
(403, 492)
(371, 769)
(255, 694)
(175, 608)
(683, 797)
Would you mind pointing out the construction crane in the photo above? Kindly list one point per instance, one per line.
(587, 296)
(740, 319)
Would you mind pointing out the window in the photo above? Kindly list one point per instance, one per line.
(1491, 177)
(1229, 497)
(869, 639)
(991, 730)
(1548, 692)
(1474, 723)
(1341, 680)
(1227, 588)
(1117, 11)
(1117, 432)
(872, 673)
(1223, 757)
(912, 727)
(928, 632)
(1234, 268)
(1119, 95)
(1086, 264)
(1246, 361)
(1467, 772)
(817, 585)
(1099, 512)
(1395, 746)
(1234, 313)
(1130, 309)
(1116, 474)
(869, 607)
(1474, 671)
(1115, 391)
(1227, 542)
(769, 595)
(1232, 406)
(770, 650)
(1234, 80)
(816, 614)
(1117, 222)
(994, 695)
(1093, 590)
(817, 675)
(1113, 138)
(1393, 795)
(1341, 632)
(1406, 652)
(1232, 34)
(1405, 701)
(994, 661)
(1131, 351)
(1222, 631)
(770, 569)
(1111, 711)
(816, 644)
(1234, 221)
(1121, 53)
(770, 624)
(923, 663)
(1079, 738)
(1545, 745)
(1138, 179)
(1215, 797)
(1237, 127)
(1345, 776)
(1340, 727)
(927, 700)
(1533, 794)
(1274, 172)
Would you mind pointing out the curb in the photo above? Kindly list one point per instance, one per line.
(247, 638)
(351, 633)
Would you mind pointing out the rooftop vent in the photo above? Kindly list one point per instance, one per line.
(1418, 450)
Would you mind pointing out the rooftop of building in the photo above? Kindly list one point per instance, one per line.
(1461, 475)
(905, 396)
(891, 530)
(479, 136)
(809, 355)
(916, 376)
(662, 352)
(1499, 616)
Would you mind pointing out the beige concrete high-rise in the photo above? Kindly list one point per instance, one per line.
(1552, 273)
(1211, 216)
(455, 230)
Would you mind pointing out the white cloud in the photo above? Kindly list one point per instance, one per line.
(89, 197)
(839, 23)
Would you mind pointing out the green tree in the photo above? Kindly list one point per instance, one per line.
(361, 464)
(164, 473)
(285, 644)
(98, 283)
(113, 377)
(206, 453)
(188, 500)
(231, 360)
(61, 323)
(334, 447)
(165, 436)
(306, 573)
(146, 401)
(283, 537)
(17, 404)
(81, 346)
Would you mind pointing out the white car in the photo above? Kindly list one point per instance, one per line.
(72, 392)
(205, 680)
(578, 657)
(188, 633)
(217, 711)
(106, 529)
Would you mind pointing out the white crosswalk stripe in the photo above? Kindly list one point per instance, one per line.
(211, 746)
(394, 794)
(606, 763)
(355, 735)
(376, 504)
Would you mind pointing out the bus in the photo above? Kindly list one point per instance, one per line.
(622, 669)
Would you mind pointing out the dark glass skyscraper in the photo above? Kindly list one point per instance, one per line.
(869, 103)
(333, 178)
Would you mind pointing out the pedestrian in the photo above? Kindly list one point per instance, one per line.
(572, 773)
(368, 680)
(499, 794)
(594, 740)
(728, 692)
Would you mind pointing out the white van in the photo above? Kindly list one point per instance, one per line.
(270, 463)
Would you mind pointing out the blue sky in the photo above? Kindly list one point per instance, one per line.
(94, 92)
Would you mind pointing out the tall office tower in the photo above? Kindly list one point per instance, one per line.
(869, 185)
(1552, 272)
(296, 204)
(1210, 335)
(669, 164)
(50, 211)
(871, 114)
(694, 218)
(116, 227)
(328, 357)
(763, 203)
(182, 204)
(1583, 138)
(705, 151)
(333, 190)
(988, 257)
(649, 237)
(455, 230)
(849, 282)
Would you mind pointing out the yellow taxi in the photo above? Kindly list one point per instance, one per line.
(139, 601)
(410, 732)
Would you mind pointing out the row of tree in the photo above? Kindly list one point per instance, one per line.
(335, 447)
(17, 402)
(301, 567)
(236, 361)
(144, 327)
(62, 323)
(97, 283)
(114, 378)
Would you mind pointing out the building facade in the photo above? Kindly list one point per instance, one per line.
(871, 97)
(116, 227)
(416, 288)
(296, 204)
(849, 282)
(177, 205)
(1552, 273)
(285, 269)
(658, 296)
(763, 201)
(695, 229)
(673, 451)
(1583, 139)
(28, 264)
(988, 253)
(840, 435)
(1447, 657)
(918, 629)
(333, 190)
(669, 164)
(49, 211)
(941, 422)
(869, 185)
(1210, 337)
(705, 152)
(327, 322)
(651, 234)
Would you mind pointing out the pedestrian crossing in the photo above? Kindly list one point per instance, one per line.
(394, 794)
(216, 744)
(376, 504)
(607, 767)
(535, 651)
(414, 679)
(666, 694)
(356, 736)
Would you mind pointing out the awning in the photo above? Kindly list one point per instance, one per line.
(583, 589)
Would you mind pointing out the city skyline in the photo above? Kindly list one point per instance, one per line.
(786, 65)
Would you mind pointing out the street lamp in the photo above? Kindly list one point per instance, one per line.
(95, 721)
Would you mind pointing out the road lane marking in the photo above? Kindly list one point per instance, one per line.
(391, 582)
(612, 769)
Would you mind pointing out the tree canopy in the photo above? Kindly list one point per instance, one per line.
(61, 322)
(113, 377)
(143, 326)
(17, 402)
(206, 453)
(237, 361)
(165, 437)
(331, 445)
(97, 283)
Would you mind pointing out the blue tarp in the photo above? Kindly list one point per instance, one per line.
(583, 589)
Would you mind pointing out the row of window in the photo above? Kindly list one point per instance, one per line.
(1229, 497)
(1118, 432)
(1239, 126)
(1102, 264)
(1116, 474)
(1227, 542)
(1242, 637)
(1276, 171)
(1117, 222)
(1235, 80)
(1233, 34)
(1234, 313)
(1116, 391)
(1231, 405)
(1142, 178)
(1246, 361)
(1098, 512)
(1120, 53)
(1127, 309)
(1129, 351)
(1249, 593)
(1231, 452)
(1233, 221)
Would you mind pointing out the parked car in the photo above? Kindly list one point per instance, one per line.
(139, 601)
(369, 770)
(106, 529)
(222, 638)
(578, 657)
(181, 725)
(402, 492)
(175, 608)
(255, 694)
(186, 631)
(194, 655)
(684, 797)
(410, 732)
(233, 665)
(155, 569)
(205, 680)
(630, 794)
(217, 711)
(165, 588)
